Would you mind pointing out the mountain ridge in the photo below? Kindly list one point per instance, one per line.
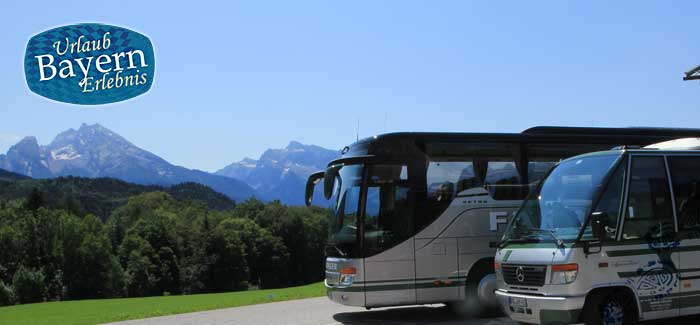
(94, 151)
(282, 173)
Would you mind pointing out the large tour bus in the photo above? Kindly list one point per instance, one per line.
(610, 237)
(416, 216)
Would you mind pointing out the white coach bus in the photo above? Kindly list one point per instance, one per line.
(610, 237)
(417, 215)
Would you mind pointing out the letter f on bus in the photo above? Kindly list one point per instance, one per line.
(497, 218)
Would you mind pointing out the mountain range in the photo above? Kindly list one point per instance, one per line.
(94, 151)
(282, 173)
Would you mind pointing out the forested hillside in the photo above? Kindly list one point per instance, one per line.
(100, 196)
(148, 241)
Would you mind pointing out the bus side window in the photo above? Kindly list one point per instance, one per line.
(685, 175)
(503, 181)
(649, 213)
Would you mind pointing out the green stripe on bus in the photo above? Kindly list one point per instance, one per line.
(649, 251)
(401, 286)
(410, 280)
(632, 274)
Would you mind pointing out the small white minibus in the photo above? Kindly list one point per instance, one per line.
(610, 237)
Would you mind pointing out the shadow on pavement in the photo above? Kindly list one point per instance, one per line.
(437, 314)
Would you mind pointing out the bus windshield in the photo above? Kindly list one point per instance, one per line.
(343, 232)
(387, 219)
(557, 210)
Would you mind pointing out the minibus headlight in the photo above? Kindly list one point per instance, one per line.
(497, 269)
(564, 273)
(347, 276)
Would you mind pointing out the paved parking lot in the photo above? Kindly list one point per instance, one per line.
(317, 311)
(320, 311)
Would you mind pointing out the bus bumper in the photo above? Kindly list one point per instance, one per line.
(539, 309)
(349, 296)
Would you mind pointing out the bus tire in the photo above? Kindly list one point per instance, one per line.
(472, 306)
(610, 307)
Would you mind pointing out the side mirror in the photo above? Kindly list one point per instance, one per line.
(329, 180)
(599, 222)
(592, 247)
(314, 179)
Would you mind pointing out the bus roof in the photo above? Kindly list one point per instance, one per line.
(656, 131)
(547, 131)
(631, 136)
(390, 144)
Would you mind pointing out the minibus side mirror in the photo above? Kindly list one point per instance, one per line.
(592, 247)
(314, 179)
(599, 221)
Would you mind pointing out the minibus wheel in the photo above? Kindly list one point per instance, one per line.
(610, 307)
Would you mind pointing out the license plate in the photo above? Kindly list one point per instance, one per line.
(517, 303)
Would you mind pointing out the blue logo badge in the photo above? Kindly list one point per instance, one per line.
(89, 64)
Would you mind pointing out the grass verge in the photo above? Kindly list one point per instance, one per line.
(90, 312)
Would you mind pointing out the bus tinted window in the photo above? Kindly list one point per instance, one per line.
(457, 169)
(685, 172)
(467, 169)
(446, 178)
(503, 181)
(649, 213)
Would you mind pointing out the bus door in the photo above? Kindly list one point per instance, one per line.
(388, 237)
(648, 259)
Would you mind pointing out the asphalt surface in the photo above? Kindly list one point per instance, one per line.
(320, 311)
(317, 311)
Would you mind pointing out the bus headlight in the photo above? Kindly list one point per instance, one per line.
(564, 273)
(347, 276)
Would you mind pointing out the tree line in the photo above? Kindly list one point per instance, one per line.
(155, 244)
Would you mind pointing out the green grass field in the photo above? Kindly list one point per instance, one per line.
(88, 312)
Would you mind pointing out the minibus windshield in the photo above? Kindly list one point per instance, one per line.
(557, 210)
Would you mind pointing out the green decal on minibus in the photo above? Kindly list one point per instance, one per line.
(507, 255)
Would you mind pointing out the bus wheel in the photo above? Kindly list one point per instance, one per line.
(610, 308)
(475, 304)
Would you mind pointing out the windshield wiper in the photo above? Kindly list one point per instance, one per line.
(506, 241)
(559, 242)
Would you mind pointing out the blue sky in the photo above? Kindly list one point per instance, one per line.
(235, 78)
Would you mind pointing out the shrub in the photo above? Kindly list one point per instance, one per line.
(7, 296)
(29, 285)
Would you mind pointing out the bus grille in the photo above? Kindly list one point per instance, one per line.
(524, 275)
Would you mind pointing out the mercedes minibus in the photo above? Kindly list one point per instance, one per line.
(611, 237)
(416, 216)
